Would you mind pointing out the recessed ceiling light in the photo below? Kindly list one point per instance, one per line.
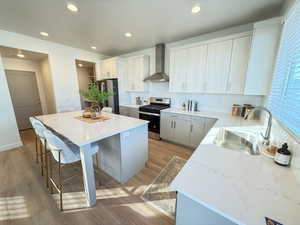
(94, 47)
(196, 9)
(128, 34)
(72, 7)
(80, 65)
(44, 34)
(20, 55)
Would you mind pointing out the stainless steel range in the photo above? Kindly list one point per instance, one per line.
(152, 114)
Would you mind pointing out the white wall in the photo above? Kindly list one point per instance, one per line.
(9, 134)
(220, 103)
(61, 62)
(48, 86)
(30, 66)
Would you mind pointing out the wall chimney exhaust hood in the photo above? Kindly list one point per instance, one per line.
(160, 75)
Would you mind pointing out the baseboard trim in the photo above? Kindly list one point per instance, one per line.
(11, 146)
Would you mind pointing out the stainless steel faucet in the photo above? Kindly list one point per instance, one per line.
(268, 130)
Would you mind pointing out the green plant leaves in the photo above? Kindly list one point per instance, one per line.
(94, 94)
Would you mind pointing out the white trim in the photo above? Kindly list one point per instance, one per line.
(11, 146)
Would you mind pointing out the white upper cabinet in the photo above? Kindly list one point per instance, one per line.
(218, 66)
(178, 70)
(196, 68)
(264, 47)
(136, 69)
(239, 64)
(187, 69)
(110, 68)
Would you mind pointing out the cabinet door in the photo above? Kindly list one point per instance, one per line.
(182, 131)
(178, 70)
(262, 59)
(166, 127)
(133, 113)
(138, 74)
(113, 68)
(123, 110)
(218, 66)
(239, 65)
(129, 74)
(198, 131)
(196, 69)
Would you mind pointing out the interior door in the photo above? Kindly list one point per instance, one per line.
(218, 66)
(25, 96)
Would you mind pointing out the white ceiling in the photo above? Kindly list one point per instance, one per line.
(102, 23)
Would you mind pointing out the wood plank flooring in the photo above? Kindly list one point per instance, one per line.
(24, 198)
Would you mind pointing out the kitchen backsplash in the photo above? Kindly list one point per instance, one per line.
(218, 103)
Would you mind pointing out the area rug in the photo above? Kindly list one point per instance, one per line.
(159, 194)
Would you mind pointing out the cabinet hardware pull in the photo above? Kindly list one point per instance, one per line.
(191, 128)
(174, 124)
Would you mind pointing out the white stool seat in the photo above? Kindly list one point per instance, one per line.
(70, 152)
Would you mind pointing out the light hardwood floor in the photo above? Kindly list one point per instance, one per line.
(24, 198)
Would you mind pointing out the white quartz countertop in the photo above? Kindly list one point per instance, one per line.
(243, 188)
(82, 133)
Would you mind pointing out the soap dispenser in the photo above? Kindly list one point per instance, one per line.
(283, 155)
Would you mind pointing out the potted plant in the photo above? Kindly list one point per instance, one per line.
(96, 97)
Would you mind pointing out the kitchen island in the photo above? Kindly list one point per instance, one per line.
(123, 143)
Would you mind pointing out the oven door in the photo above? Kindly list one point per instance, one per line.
(154, 121)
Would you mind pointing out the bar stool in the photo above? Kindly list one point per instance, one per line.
(64, 153)
(40, 143)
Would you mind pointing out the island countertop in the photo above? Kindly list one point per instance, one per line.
(66, 123)
(243, 188)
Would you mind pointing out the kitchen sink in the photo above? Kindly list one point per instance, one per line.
(238, 141)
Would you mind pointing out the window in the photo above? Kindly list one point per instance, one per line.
(284, 101)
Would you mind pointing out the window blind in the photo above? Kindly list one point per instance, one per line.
(284, 101)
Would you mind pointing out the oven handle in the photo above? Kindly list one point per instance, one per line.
(150, 114)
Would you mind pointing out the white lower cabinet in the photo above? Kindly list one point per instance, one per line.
(184, 129)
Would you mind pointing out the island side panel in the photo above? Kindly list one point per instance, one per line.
(134, 153)
(110, 156)
(190, 212)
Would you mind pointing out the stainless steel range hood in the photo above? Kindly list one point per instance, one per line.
(160, 75)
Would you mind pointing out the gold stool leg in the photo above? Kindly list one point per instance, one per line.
(50, 173)
(60, 182)
(41, 157)
(46, 164)
(36, 149)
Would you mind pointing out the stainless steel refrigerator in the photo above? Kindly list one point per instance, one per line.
(110, 85)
